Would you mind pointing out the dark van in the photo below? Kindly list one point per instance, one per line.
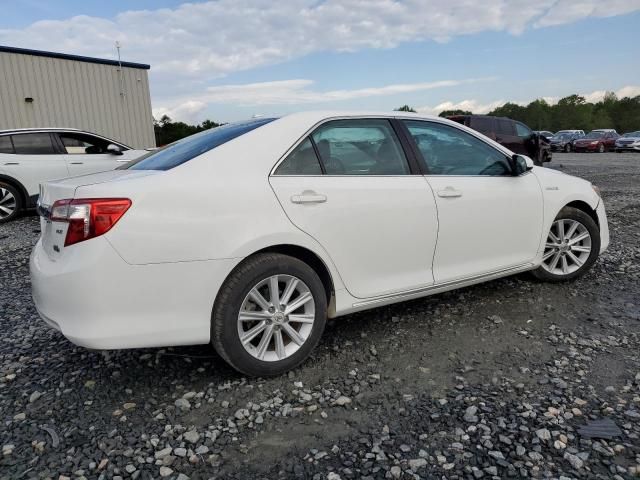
(514, 135)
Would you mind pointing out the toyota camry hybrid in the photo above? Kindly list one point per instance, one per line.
(250, 235)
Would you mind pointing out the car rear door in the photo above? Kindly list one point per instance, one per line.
(489, 220)
(34, 160)
(351, 187)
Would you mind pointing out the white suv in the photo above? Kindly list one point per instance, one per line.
(29, 157)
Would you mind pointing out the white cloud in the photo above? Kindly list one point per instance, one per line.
(567, 11)
(479, 107)
(467, 105)
(214, 38)
(288, 92)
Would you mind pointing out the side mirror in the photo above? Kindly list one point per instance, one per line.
(521, 164)
(114, 149)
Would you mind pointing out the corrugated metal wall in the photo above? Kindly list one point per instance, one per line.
(70, 93)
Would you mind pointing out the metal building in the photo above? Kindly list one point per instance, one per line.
(46, 89)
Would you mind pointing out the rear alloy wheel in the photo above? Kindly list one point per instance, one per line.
(10, 203)
(572, 246)
(601, 148)
(269, 315)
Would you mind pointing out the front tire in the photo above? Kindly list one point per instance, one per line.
(10, 202)
(572, 247)
(601, 148)
(269, 315)
(567, 148)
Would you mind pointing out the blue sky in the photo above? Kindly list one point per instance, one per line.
(229, 59)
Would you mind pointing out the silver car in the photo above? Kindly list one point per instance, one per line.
(628, 142)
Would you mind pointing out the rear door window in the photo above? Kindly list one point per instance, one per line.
(190, 147)
(302, 161)
(33, 144)
(360, 147)
(5, 144)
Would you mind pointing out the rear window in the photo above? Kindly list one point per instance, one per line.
(33, 144)
(188, 148)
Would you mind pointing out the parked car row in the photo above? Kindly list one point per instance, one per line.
(599, 140)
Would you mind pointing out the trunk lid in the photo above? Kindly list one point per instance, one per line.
(54, 233)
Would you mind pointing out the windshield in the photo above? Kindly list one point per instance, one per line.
(183, 150)
(595, 135)
(632, 134)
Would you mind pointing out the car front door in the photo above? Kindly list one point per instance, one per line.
(489, 220)
(85, 153)
(350, 186)
(33, 159)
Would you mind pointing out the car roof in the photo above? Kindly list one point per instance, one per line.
(42, 129)
(15, 131)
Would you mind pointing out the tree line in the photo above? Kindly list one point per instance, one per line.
(572, 112)
(168, 131)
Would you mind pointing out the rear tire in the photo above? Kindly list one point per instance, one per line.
(276, 335)
(10, 202)
(571, 250)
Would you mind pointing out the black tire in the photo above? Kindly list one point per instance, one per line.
(585, 219)
(567, 148)
(601, 148)
(8, 192)
(224, 328)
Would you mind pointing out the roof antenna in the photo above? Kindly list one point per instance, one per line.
(122, 92)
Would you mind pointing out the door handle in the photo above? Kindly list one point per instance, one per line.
(308, 197)
(449, 192)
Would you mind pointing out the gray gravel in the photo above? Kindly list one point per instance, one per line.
(493, 381)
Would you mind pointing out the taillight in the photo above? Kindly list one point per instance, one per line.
(88, 217)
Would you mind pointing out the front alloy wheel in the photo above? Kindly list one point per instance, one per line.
(601, 148)
(572, 246)
(568, 247)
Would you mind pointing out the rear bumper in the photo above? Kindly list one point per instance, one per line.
(99, 301)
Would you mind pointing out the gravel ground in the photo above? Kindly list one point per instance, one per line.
(492, 381)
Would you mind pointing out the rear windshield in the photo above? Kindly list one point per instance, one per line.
(183, 150)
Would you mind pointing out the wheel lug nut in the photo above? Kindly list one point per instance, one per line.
(272, 309)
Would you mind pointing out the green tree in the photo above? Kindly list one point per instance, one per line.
(405, 108)
(449, 113)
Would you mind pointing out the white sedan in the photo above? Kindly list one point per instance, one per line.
(251, 235)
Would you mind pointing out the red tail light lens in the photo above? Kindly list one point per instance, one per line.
(88, 217)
